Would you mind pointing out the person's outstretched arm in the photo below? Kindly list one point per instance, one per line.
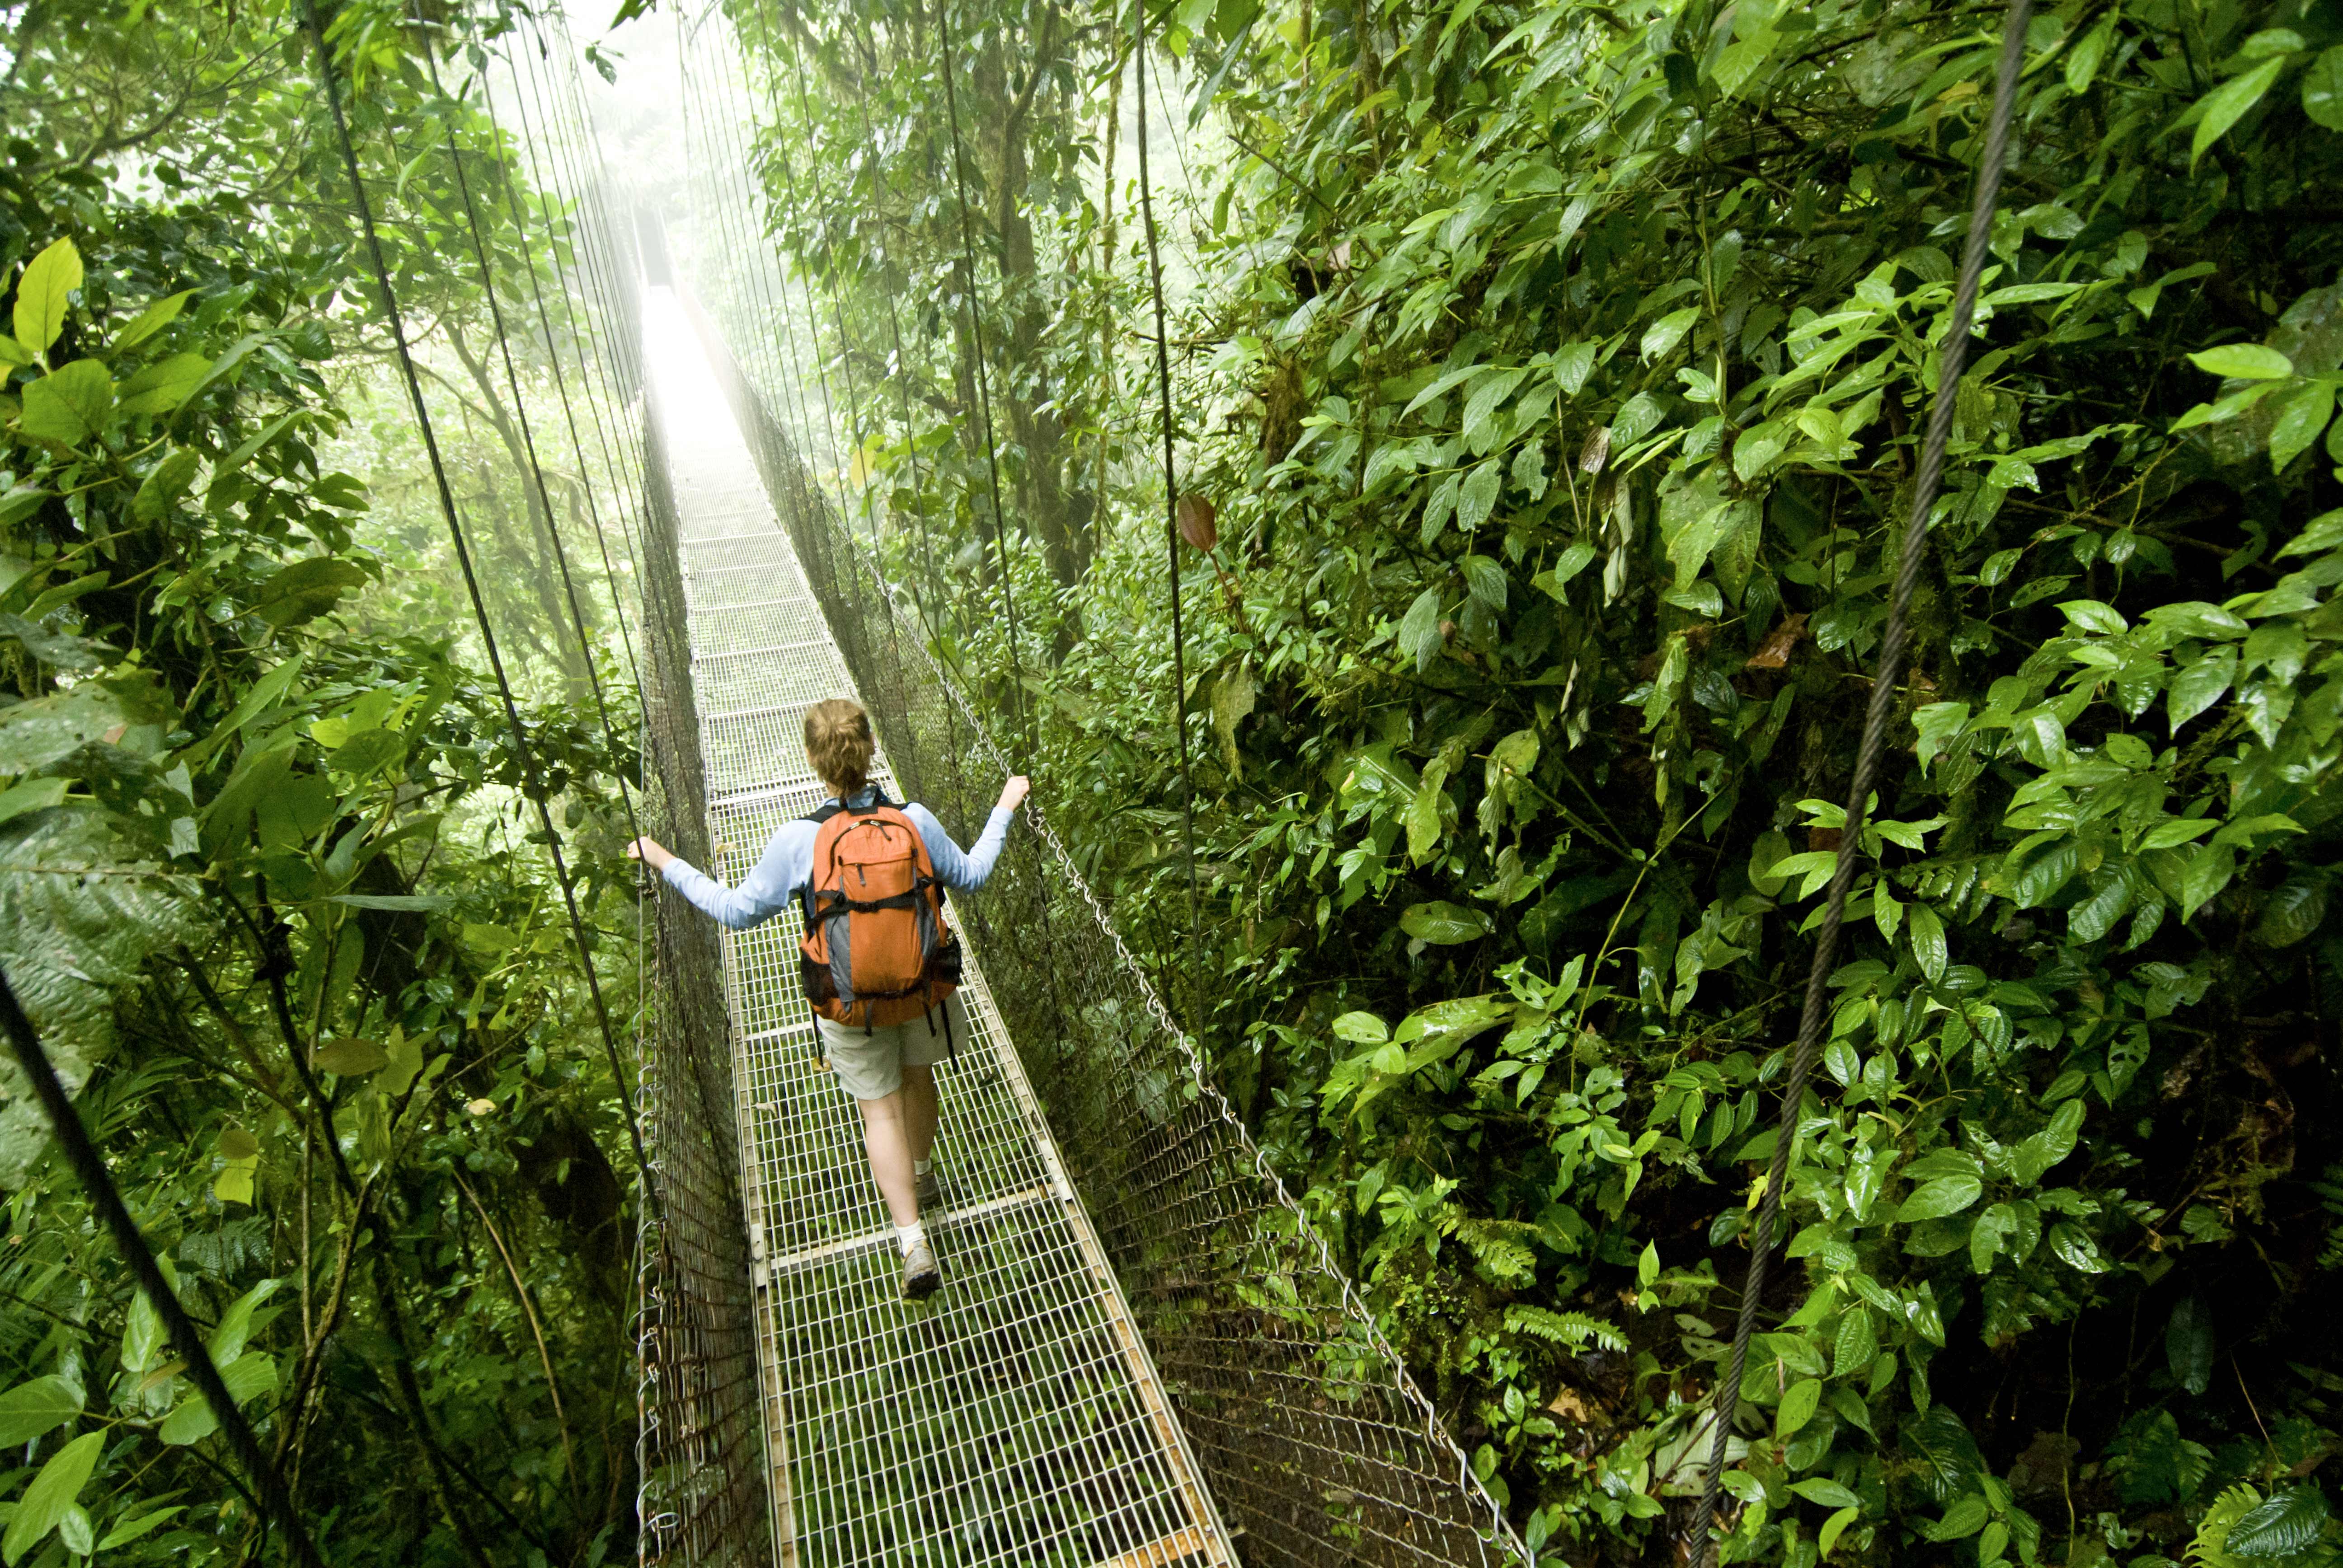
(763, 893)
(965, 871)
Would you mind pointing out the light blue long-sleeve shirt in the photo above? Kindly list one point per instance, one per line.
(781, 874)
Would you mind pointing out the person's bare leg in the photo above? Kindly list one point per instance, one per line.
(884, 1135)
(920, 1110)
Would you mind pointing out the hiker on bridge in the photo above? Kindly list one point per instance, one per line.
(879, 963)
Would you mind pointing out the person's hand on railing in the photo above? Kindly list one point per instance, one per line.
(1013, 793)
(650, 852)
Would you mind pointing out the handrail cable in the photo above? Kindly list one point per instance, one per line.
(89, 1168)
(1868, 757)
(1171, 539)
(983, 390)
(534, 778)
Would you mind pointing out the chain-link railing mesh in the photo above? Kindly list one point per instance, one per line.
(1318, 1445)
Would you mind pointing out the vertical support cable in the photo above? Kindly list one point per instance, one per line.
(983, 392)
(535, 789)
(1172, 542)
(1954, 357)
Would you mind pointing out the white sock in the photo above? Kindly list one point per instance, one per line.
(923, 1166)
(910, 1235)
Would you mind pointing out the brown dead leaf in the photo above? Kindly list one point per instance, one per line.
(1774, 651)
(1196, 515)
(1823, 837)
(1568, 1405)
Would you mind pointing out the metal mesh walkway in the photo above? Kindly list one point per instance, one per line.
(1017, 1418)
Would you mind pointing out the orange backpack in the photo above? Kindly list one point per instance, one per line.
(877, 950)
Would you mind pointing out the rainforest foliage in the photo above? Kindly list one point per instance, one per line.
(268, 881)
(1549, 394)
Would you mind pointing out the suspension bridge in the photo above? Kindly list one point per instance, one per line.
(1145, 1355)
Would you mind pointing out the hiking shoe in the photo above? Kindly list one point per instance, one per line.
(930, 1191)
(921, 1278)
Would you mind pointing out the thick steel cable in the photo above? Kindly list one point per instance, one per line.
(583, 262)
(983, 392)
(534, 779)
(529, 446)
(1867, 758)
(1171, 543)
(89, 1168)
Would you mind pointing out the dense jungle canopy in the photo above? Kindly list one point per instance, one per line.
(1548, 384)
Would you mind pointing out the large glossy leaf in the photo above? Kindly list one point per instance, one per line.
(32, 1409)
(41, 295)
(52, 1494)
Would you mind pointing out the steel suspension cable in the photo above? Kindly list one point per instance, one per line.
(1172, 542)
(534, 779)
(584, 260)
(922, 481)
(1811, 1022)
(89, 1168)
(529, 446)
(984, 394)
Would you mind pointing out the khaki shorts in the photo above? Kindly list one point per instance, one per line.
(870, 1062)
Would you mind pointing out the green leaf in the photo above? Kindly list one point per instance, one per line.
(34, 1409)
(41, 301)
(1934, 1200)
(1443, 924)
(70, 406)
(2196, 687)
(1419, 630)
(2242, 362)
(1574, 560)
(236, 1324)
(165, 385)
(34, 734)
(263, 696)
(306, 589)
(2083, 59)
(2222, 107)
(1857, 1345)
(1829, 1494)
(2322, 89)
(2043, 1149)
(58, 1486)
(33, 795)
(1798, 1406)
(1961, 1521)
(1668, 331)
(1925, 930)
(2188, 1345)
(418, 901)
(1362, 1029)
(1834, 1527)
(152, 319)
(2283, 1525)
(130, 1530)
(1484, 579)
(2300, 420)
